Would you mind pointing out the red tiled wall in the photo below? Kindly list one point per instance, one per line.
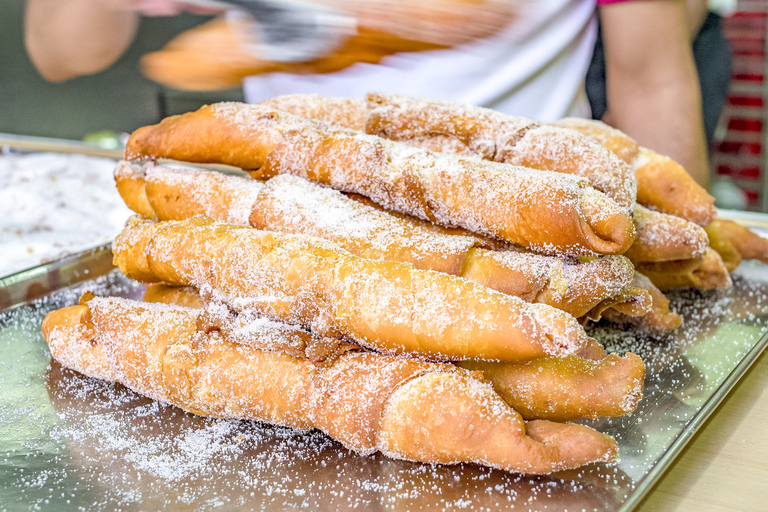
(738, 150)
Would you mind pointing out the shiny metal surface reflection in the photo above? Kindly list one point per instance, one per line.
(68, 442)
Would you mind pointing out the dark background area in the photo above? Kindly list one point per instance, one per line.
(119, 99)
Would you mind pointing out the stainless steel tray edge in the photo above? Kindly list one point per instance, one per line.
(693, 426)
(22, 287)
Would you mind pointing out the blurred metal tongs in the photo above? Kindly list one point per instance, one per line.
(288, 30)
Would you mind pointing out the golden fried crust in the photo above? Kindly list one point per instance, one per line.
(405, 408)
(720, 241)
(546, 211)
(709, 274)
(662, 237)
(384, 305)
(664, 185)
(631, 301)
(567, 388)
(749, 244)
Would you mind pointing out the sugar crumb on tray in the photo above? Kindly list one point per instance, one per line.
(53, 204)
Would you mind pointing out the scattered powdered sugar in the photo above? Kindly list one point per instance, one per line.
(344, 112)
(52, 205)
(104, 447)
(445, 126)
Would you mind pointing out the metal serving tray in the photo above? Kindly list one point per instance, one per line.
(68, 442)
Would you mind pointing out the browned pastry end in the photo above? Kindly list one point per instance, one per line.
(384, 305)
(709, 274)
(632, 301)
(369, 402)
(183, 193)
(660, 317)
(662, 183)
(567, 388)
(720, 242)
(749, 244)
(662, 237)
(546, 211)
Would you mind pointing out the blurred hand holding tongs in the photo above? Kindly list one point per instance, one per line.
(288, 30)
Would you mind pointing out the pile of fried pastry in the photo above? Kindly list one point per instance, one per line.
(408, 276)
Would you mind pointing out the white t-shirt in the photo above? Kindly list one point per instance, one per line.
(535, 68)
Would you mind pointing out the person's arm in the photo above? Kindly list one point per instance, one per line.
(652, 86)
(70, 38)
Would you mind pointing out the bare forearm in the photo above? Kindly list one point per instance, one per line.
(70, 38)
(652, 84)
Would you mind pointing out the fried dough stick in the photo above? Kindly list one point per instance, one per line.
(659, 182)
(587, 385)
(450, 127)
(404, 408)
(549, 212)
(710, 273)
(567, 388)
(293, 205)
(662, 183)
(749, 244)
(385, 305)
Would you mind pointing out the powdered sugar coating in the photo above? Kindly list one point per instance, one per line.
(456, 128)
(446, 189)
(306, 281)
(225, 198)
(294, 205)
(662, 237)
(442, 188)
(343, 112)
(54, 204)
